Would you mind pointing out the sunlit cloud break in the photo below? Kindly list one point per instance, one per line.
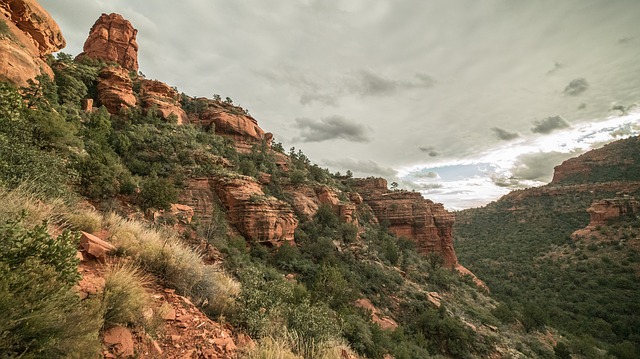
(524, 162)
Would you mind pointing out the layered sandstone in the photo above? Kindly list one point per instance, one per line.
(165, 100)
(232, 122)
(306, 200)
(409, 215)
(115, 89)
(258, 217)
(606, 209)
(112, 38)
(29, 36)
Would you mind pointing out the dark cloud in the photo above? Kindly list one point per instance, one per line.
(503, 134)
(550, 124)
(368, 83)
(429, 174)
(331, 128)
(539, 166)
(625, 40)
(429, 150)
(624, 110)
(556, 66)
(366, 167)
(576, 87)
(582, 106)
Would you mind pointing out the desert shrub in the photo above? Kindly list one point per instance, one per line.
(42, 314)
(157, 192)
(125, 297)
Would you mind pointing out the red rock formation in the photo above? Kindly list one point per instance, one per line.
(603, 210)
(32, 34)
(113, 39)
(409, 215)
(383, 321)
(115, 89)
(257, 217)
(232, 122)
(164, 98)
(307, 200)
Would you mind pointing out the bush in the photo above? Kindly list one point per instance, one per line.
(42, 316)
(157, 193)
(125, 297)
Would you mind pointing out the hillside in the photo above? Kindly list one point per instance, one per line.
(568, 250)
(138, 221)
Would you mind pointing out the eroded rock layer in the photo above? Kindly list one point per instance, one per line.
(165, 100)
(29, 34)
(409, 215)
(112, 38)
(258, 217)
(115, 89)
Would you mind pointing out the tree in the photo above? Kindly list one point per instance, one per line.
(394, 185)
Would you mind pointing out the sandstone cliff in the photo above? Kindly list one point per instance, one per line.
(113, 39)
(27, 35)
(115, 89)
(232, 122)
(409, 215)
(606, 209)
(258, 217)
(166, 100)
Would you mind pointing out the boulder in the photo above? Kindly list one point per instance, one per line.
(120, 341)
(30, 35)
(112, 38)
(95, 246)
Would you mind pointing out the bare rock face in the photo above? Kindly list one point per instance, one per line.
(115, 89)
(112, 38)
(165, 99)
(603, 210)
(257, 217)
(231, 121)
(307, 200)
(30, 35)
(409, 215)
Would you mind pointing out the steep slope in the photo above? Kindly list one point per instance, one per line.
(321, 268)
(563, 251)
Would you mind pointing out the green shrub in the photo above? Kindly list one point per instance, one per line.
(158, 193)
(42, 316)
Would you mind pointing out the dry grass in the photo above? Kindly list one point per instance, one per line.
(24, 200)
(125, 297)
(164, 255)
(83, 219)
(290, 345)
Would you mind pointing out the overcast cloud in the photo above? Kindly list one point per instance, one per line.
(550, 124)
(378, 79)
(330, 128)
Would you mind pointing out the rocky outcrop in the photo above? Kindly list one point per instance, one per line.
(306, 200)
(232, 122)
(409, 215)
(95, 246)
(606, 209)
(258, 217)
(113, 39)
(166, 100)
(115, 89)
(27, 35)
(616, 161)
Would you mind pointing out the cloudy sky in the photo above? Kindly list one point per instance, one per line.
(462, 100)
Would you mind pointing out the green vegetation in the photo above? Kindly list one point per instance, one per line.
(587, 288)
(297, 301)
